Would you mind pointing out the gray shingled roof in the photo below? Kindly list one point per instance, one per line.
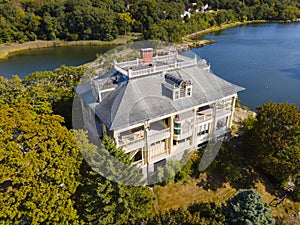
(140, 99)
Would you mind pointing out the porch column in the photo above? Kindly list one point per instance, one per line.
(147, 154)
(104, 129)
(194, 134)
(172, 134)
(232, 111)
(115, 135)
(214, 118)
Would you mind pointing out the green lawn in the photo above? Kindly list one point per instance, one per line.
(175, 195)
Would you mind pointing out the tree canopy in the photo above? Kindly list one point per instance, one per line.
(22, 20)
(196, 214)
(272, 140)
(47, 91)
(39, 167)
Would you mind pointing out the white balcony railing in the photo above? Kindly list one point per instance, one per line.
(183, 135)
(222, 112)
(129, 138)
(157, 135)
(204, 115)
(137, 140)
(123, 67)
(203, 118)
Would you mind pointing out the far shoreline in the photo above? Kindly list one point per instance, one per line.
(10, 48)
(187, 41)
(223, 27)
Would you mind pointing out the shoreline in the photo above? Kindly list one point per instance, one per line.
(223, 27)
(187, 41)
(8, 49)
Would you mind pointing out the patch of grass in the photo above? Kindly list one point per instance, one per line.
(175, 195)
(280, 210)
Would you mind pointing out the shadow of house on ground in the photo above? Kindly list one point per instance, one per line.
(211, 181)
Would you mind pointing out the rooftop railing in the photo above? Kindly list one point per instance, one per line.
(138, 61)
(117, 67)
(129, 63)
(163, 68)
(172, 61)
(164, 58)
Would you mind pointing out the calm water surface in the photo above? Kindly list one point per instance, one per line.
(26, 62)
(263, 58)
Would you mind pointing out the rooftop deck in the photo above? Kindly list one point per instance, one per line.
(163, 63)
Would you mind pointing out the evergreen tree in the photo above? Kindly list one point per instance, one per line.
(102, 201)
(247, 208)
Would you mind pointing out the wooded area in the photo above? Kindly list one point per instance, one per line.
(28, 20)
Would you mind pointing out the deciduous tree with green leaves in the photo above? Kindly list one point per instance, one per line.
(39, 167)
(272, 140)
(47, 92)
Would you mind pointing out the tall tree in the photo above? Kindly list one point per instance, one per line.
(102, 201)
(125, 21)
(39, 166)
(272, 140)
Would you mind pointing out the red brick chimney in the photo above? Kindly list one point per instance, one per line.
(147, 55)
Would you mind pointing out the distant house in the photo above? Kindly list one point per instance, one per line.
(186, 13)
(203, 8)
(156, 107)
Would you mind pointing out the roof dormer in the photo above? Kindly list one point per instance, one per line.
(177, 87)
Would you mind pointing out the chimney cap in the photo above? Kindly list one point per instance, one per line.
(146, 49)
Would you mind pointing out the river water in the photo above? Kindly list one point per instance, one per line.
(263, 58)
(25, 62)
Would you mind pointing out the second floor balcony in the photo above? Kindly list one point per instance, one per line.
(131, 140)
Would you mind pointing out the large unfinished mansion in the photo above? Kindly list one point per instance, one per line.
(158, 106)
